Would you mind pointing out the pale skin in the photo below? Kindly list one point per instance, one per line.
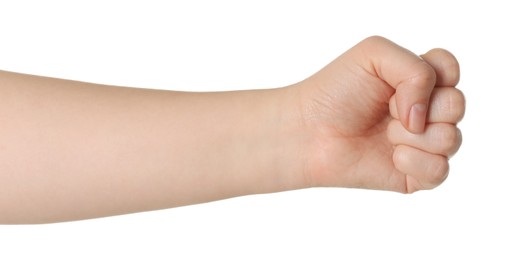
(377, 117)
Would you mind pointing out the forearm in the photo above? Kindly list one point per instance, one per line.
(73, 150)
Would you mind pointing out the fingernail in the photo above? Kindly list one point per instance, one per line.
(417, 117)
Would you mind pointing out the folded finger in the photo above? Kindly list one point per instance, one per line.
(447, 105)
(438, 138)
(445, 66)
(426, 169)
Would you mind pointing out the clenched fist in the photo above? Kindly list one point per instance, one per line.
(381, 117)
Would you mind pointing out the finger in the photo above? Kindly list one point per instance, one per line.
(445, 65)
(428, 170)
(411, 76)
(447, 105)
(439, 138)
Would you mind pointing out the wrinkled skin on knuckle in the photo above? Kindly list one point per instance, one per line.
(438, 173)
(450, 139)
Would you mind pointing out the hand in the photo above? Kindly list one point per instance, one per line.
(381, 117)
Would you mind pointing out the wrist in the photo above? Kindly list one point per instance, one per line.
(289, 156)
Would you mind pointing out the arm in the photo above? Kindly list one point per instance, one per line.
(73, 150)
(83, 150)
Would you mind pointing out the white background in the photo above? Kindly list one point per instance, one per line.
(223, 45)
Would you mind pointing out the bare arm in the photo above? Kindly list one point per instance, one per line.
(73, 150)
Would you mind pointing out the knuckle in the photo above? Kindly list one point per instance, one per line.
(374, 39)
(426, 74)
(423, 76)
(450, 65)
(457, 105)
(450, 139)
(448, 105)
(373, 43)
(437, 173)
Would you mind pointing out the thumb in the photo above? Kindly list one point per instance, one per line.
(411, 76)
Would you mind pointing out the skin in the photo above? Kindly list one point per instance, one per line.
(377, 117)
